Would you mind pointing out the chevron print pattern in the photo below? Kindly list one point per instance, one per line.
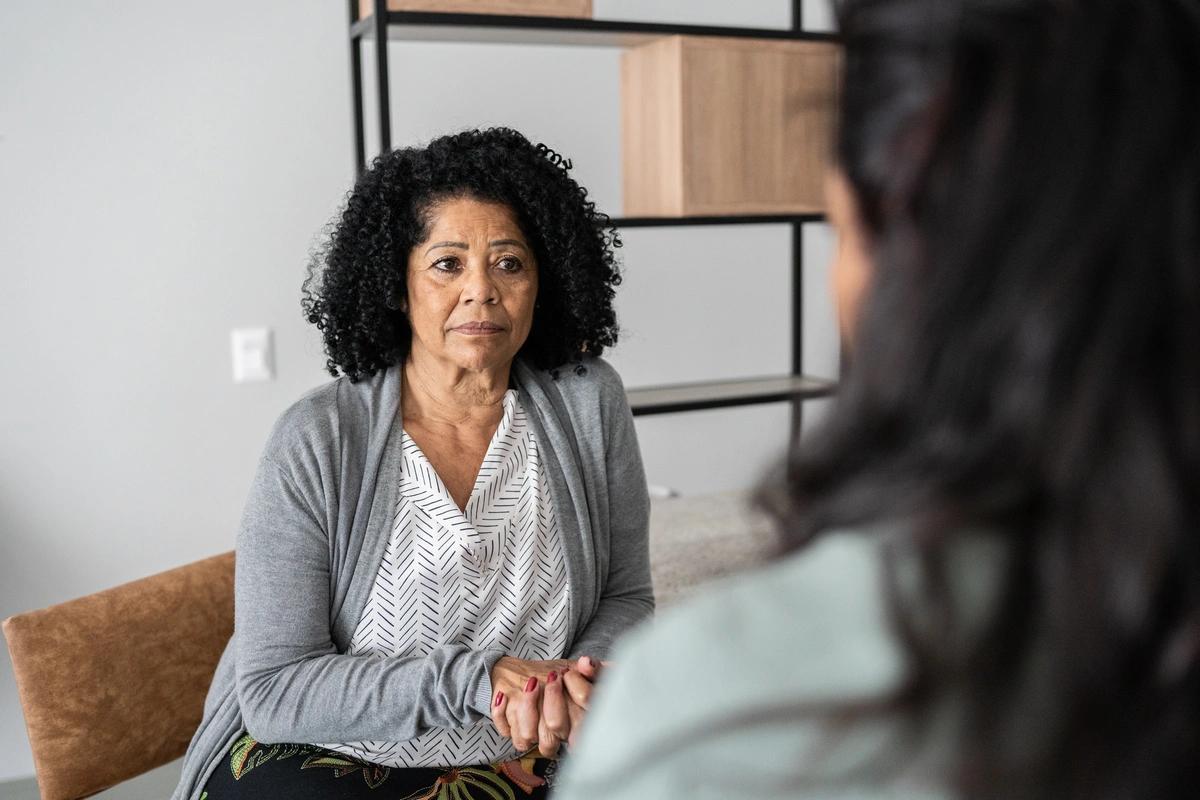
(494, 576)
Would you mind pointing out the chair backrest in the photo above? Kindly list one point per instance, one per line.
(113, 684)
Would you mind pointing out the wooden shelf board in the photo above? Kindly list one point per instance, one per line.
(726, 394)
(495, 28)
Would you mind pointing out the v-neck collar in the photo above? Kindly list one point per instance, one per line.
(549, 422)
(435, 488)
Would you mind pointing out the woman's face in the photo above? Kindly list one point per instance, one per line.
(852, 264)
(472, 285)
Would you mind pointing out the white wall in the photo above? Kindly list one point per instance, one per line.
(164, 169)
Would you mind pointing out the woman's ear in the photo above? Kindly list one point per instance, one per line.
(852, 267)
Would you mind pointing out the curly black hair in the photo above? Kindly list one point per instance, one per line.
(358, 277)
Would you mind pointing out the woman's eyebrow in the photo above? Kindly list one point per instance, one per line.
(509, 242)
(460, 245)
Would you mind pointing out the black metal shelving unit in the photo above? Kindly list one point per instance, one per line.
(384, 25)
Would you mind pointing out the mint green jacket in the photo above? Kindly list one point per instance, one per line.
(731, 694)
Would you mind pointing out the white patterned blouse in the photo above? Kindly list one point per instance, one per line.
(492, 577)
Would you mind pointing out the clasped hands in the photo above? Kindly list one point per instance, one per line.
(541, 702)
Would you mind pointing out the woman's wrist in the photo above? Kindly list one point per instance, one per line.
(484, 694)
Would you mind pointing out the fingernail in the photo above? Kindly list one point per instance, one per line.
(552, 677)
(531, 684)
(588, 661)
(499, 698)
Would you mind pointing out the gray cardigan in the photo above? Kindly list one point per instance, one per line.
(313, 535)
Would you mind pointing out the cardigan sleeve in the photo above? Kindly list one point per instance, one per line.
(292, 683)
(627, 594)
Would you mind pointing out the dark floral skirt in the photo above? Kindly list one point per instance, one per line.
(307, 772)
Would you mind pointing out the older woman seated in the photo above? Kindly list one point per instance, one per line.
(440, 545)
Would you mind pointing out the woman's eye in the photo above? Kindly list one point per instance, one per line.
(509, 264)
(446, 264)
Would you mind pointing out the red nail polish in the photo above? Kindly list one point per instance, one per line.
(499, 698)
(552, 677)
(531, 685)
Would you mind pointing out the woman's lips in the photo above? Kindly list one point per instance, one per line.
(479, 328)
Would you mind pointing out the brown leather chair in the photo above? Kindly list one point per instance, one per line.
(113, 684)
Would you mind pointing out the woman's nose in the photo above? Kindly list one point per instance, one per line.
(480, 287)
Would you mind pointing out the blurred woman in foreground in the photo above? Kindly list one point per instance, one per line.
(999, 589)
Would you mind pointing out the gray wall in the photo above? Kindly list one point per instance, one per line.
(165, 168)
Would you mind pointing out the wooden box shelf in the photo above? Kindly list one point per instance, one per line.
(716, 126)
(515, 8)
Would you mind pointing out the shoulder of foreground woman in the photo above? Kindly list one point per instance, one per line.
(808, 629)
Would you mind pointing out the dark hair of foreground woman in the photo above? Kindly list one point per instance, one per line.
(1027, 360)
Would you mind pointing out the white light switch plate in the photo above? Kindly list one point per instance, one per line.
(253, 355)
